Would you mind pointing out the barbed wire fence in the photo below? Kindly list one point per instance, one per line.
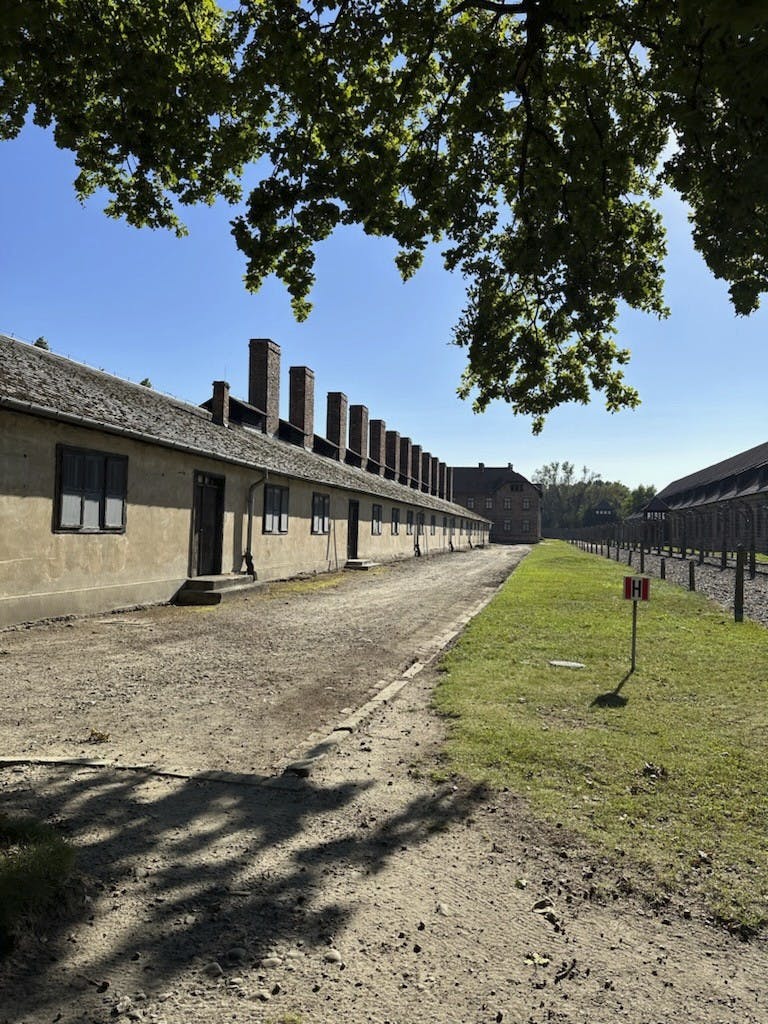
(721, 551)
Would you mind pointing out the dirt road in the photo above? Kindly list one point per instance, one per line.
(364, 893)
(238, 686)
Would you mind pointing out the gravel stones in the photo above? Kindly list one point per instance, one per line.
(716, 584)
(269, 962)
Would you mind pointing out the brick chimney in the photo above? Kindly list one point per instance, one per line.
(435, 488)
(393, 453)
(358, 431)
(441, 479)
(301, 408)
(264, 381)
(405, 460)
(336, 421)
(378, 431)
(416, 466)
(426, 472)
(220, 403)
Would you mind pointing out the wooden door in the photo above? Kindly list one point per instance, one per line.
(208, 524)
(353, 521)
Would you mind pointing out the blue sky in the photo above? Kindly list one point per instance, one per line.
(145, 304)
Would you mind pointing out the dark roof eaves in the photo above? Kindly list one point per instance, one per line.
(87, 423)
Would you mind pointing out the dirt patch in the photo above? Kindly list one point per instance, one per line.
(365, 893)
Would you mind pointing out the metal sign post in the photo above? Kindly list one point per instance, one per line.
(636, 588)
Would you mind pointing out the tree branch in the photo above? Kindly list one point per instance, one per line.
(522, 7)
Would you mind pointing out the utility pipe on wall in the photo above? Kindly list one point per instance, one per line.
(248, 556)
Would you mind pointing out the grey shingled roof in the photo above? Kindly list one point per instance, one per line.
(753, 458)
(473, 480)
(35, 381)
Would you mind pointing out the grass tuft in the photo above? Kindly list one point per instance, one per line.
(35, 863)
(664, 768)
(307, 584)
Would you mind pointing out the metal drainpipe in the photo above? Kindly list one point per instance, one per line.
(248, 556)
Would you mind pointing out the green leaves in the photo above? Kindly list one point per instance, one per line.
(526, 138)
(140, 91)
(525, 146)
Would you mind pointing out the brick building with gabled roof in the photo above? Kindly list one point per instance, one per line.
(506, 497)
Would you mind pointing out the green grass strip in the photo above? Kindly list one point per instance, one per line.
(672, 771)
(35, 863)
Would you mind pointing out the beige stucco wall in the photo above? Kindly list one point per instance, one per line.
(44, 573)
(277, 556)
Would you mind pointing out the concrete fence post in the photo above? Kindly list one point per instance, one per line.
(738, 597)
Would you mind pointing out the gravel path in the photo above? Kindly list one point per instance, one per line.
(236, 687)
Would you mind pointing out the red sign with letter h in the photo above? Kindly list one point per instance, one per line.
(637, 588)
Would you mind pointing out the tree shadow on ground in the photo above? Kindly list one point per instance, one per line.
(194, 863)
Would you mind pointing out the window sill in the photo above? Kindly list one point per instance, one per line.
(73, 530)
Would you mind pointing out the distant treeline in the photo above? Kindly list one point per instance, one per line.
(570, 501)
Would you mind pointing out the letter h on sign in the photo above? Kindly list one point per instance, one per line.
(636, 588)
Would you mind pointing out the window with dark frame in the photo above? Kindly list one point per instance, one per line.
(92, 491)
(470, 502)
(376, 517)
(526, 526)
(409, 521)
(395, 521)
(507, 526)
(526, 503)
(321, 513)
(275, 509)
(419, 524)
(445, 525)
(432, 525)
(489, 502)
(507, 503)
